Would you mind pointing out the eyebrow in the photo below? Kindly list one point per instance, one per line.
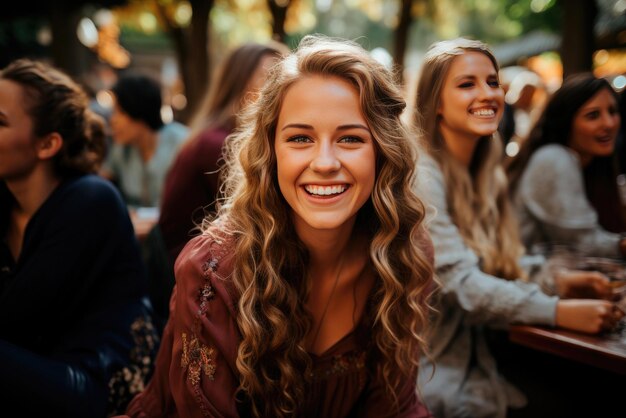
(473, 77)
(339, 128)
(584, 109)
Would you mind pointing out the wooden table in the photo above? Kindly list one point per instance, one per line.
(607, 351)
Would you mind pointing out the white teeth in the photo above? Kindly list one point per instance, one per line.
(484, 112)
(325, 190)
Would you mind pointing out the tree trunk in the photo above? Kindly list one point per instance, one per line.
(578, 42)
(192, 53)
(198, 54)
(68, 53)
(401, 35)
(279, 15)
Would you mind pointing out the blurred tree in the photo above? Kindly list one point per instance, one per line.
(191, 42)
(578, 39)
(409, 11)
(278, 9)
(401, 33)
(63, 17)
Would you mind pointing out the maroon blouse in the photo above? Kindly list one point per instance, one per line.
(196, 375)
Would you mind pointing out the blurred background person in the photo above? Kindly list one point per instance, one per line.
(477, 247)
(192, 183)
(76, 338)
(144, 147)
(566, 160)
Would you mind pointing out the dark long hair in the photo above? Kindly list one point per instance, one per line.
(555, 124)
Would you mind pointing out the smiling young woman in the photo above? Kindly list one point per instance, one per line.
(477, 248)
(308, 294)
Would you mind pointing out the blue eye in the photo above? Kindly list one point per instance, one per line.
(466, 85)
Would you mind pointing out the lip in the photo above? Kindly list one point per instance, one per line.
(605, 138)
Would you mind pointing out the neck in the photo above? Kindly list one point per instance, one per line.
(461, 147)
(326, 247)
(585, 159)
(147, 143)
(32, 191)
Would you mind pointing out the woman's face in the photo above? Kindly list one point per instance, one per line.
(595, 126)
(325, 153)
(18, 156)
(472, 101)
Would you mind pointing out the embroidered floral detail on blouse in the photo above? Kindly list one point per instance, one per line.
(130, 380)
(342, 364)
(204, 296)
(197, 358)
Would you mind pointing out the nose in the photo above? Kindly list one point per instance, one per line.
(488, 92)
(610, 120)
(325, 158)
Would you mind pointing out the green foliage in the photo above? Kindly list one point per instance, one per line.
(495, 21)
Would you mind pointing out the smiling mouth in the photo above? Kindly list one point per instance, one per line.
(604, 139)
(483, 112)
(325, 191)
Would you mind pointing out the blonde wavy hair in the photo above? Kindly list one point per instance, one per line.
(270, 273)
(477, 198)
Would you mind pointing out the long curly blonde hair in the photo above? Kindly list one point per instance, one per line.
(477, 198)
(271, 261)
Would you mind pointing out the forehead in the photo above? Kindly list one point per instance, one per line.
(601, 97)
(471, 63)
(319, 98)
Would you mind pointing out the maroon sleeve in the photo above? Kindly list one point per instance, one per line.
(195, 373)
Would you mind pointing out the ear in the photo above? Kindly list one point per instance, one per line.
(49, 145)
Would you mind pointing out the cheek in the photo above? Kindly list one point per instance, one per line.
(582, 131)
(287, 170)
(365, 170)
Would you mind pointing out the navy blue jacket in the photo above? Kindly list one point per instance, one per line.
(76, 337)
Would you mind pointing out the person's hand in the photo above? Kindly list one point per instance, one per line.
(583, 284)
(587, 315)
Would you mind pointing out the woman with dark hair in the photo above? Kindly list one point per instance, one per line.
(307, 295)
(144, 147)
(76, 338)
(579, 125)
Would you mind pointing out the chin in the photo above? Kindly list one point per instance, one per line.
(486, 130)
(325, 223)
